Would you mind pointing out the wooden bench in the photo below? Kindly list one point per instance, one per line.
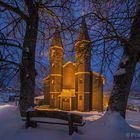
(72, 120)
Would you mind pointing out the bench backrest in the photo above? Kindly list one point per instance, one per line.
(57, 115)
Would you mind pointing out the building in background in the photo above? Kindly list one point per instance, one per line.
(72, 86)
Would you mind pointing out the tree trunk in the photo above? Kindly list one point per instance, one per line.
(27, 70)
(122, 84)
(123, 81)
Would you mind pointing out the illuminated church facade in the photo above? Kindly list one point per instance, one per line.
(72, 86)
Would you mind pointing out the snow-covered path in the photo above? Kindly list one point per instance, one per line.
(106, 128)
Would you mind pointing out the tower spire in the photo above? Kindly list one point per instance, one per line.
(56, 41)
(83, 8)
(56, 63)
(83, 31)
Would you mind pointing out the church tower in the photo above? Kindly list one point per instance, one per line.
(56, 63)
(83, 56)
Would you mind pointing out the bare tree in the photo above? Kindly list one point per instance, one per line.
(117, 28)
(8, 67)
(125, 73)
(26, 18)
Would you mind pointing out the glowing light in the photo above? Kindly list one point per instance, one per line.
(55, 75)
(81, 42)
(67, 93)
(58, 47)
(69, 62)
(82, 73)
(46, 78)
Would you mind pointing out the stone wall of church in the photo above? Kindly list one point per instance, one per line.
(55, 90)
(69, 76)
(83, 91)
(97, 92)
(47, 91)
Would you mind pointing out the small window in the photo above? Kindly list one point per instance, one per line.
(52, 82)
(53, 53)
(65, 100)
(80, 97)
(52, 64)
(81, 81)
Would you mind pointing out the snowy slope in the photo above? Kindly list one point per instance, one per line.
(110, 127)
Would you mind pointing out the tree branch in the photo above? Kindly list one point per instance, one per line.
(10, 62)
(14, 9)
(9, 44)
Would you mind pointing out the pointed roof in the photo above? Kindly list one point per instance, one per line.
(56, 41)
(83, 32)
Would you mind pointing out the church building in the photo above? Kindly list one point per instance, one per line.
(73, 86)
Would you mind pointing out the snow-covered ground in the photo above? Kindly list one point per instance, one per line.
(134, 103)
(109, 127)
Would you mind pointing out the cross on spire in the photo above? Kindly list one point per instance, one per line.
(83, 7)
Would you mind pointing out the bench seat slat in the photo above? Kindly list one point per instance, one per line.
(57, 115)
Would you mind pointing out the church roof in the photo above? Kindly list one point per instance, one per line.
(56, 41)
(83, 32)
(46, 78)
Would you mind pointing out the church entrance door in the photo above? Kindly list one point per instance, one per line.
(66, 104)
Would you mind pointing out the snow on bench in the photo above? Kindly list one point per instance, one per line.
(71, 119)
